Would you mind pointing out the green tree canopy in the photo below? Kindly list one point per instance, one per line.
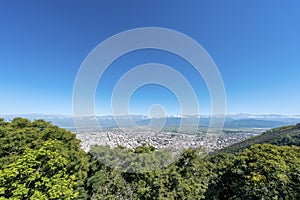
(261, 172)
(19, 135)
(38, 174)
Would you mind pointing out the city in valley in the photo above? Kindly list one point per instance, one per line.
(133, 137)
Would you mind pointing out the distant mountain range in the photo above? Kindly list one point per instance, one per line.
(231, 120)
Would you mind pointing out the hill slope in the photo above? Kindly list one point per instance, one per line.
(286, 135)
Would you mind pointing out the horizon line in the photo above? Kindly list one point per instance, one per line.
(139, 114)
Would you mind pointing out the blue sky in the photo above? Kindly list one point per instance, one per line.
(255, 44)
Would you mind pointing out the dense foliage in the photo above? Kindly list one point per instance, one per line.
(38, 159)
(38, 174)
(185, 179)
(260, 172)
(42, 161)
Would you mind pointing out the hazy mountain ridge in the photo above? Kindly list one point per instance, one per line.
(231, 121)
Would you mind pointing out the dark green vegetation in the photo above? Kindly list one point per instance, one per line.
(185, 179)
(142, 159)
(42, 161)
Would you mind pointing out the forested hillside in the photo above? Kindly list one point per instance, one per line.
(286, 135)
(42, 161)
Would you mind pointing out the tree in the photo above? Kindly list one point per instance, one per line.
(260, 172)
(187, 178)
(20, 134)
(39, 174)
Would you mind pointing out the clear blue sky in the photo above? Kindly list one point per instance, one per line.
(255, 44)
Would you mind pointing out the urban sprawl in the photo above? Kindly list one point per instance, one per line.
(132, 138)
